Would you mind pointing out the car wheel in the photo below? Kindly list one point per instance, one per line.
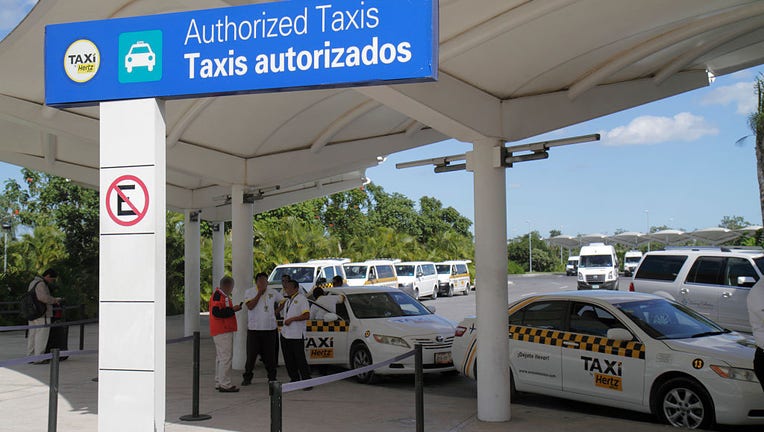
(416, 293)
(683, 403)
(450, 292)
(360, 357)
(434, 294)
(467, 290)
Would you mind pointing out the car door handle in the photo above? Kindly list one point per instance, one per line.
(726, 294)
(570, 344)
(684, 291)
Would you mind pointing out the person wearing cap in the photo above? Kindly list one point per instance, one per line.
(324, 304)
(37, 339)
(262, 328)
(222, 328)
(296, 311)
(756, 317)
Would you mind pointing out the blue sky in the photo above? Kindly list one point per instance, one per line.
(676, 158)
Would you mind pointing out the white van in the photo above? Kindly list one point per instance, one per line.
(571, 268)
(631, 261)
(418, 278)
(598, 267)
(454, 277)
(372, 272)
(308, 273)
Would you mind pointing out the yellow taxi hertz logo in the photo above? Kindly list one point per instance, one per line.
(81, 60)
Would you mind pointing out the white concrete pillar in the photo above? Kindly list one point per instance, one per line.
(491, 266)
(131, 342)
(218, 252)
(191, 271)
(242, 248)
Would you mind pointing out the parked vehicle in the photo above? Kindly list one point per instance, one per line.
(713, 281)
(372, 272)
(630, 262)
(626, 350)
(571, 268)
(308, 273)
(454, 277)
(418, 278)
(598, 267)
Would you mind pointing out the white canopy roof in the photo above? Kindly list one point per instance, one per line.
(565, 241)
(508, 68)
(668, 237)
(593, 238)
(631, 238)
(715, 235)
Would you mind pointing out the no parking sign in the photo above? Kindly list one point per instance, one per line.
(127, 201)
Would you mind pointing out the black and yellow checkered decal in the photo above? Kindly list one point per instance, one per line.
(587, 343)
(326, 326)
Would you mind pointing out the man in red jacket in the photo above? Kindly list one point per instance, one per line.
(222, 329)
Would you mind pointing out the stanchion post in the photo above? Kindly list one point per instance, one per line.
(53, 392)
(275, 392)
(419, 387)
(195, 416)
(82, 327)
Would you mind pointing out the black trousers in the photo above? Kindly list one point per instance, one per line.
(261, 343)
(758, 366)
(294, 359)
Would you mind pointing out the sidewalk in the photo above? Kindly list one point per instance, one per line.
(450, 402)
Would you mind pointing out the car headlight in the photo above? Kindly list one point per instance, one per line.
(580, 276)
(391, 340)
(610, 275)
(739, 374)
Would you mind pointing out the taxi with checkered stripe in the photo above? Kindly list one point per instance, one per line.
(626, 350)
(376, 323)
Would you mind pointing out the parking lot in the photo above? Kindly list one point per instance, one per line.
(346, 405)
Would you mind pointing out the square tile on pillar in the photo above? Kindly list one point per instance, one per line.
(125, 401)
(133, 277)
(130, 344)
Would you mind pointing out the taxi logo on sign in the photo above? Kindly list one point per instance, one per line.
(82, 60)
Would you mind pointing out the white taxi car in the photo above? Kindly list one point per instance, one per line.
(377, 323)
(627, 350)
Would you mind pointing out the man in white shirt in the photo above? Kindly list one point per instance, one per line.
(324, 304)
(756, 316)
(296, 310)
(262, 329)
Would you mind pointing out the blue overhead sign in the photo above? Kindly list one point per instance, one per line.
(263, 47)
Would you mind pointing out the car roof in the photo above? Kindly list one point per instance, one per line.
(455, 262)
(741, 253)
(381, 262)
(612, 297)
(306, 265)
(414, 262)
(366, 289)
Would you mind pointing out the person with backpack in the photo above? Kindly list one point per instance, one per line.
(37, 339)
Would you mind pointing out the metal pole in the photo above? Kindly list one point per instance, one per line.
(5, 254)
(82, 327)
(530, 249)
(53, 392)
(195, 416)
(275, 392)
(419, 387)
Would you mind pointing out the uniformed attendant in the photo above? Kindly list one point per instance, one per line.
(222, 328)
(296, 312)
(262, 329)
(338, 281)
(324, 304)
(756, 316)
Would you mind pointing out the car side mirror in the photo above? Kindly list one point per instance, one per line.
(431, 309)
(331, 317)
(420, 274)
(745, 281)
(619, 334)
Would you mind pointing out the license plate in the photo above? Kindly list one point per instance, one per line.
(443, 358)
(595, 287)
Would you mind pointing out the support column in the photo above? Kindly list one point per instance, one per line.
(218, 252)
(131, 343)
(242, 235)
(191, 272)
(491, 266)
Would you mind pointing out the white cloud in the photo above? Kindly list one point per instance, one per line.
(12, 11)
(654, 130)
(741, 94)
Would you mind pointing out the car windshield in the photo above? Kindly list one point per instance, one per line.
(355, 271)
(404, 270)
(663, 319)
(385, 305)
(595, 261)
(632, 260)
(142, 49)
(572, 262)
(299, 274)
(444, 269)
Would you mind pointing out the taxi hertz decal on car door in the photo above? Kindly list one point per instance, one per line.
(326, 341)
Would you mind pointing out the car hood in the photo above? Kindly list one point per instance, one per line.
(733, 348)
(411, 325)
(406, 279)
(355, 282)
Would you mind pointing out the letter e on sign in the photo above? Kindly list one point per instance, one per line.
(127, 200)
